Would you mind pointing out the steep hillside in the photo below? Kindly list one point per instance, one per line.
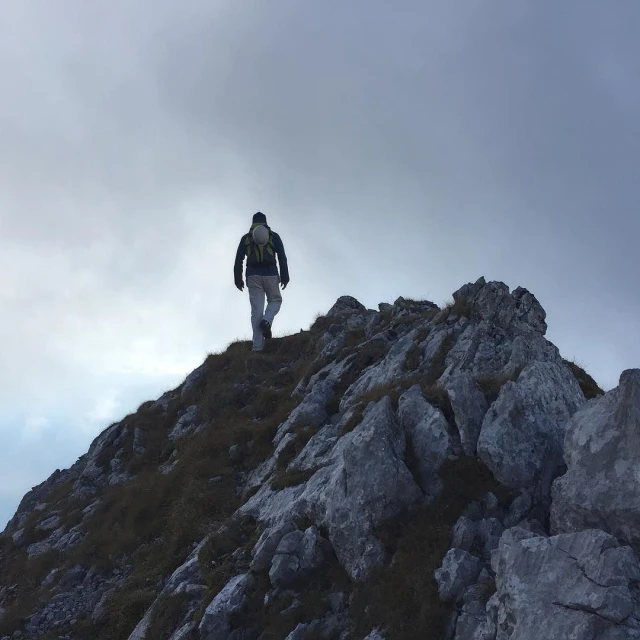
(407, 473)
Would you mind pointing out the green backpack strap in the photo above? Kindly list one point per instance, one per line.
(258, 251)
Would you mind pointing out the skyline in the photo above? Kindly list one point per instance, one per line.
(398, 151)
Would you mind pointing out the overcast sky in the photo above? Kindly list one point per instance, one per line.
(399, 148)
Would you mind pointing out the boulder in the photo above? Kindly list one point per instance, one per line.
(265, 549)
(362, 482)
(464, 534)
(469, 408)
(523, 432)
(192, 381)
(602, 484)
(428, 435)
(185, 424)
(346, 305)
(216, 621)
(459, 570)
(581, 585)
(386, 372)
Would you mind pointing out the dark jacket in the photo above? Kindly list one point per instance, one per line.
(261, 269)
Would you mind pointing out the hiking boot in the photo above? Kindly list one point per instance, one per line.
(265, 325)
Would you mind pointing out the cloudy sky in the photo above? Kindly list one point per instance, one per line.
(399, 148)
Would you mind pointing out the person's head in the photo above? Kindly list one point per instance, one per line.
(259, 218)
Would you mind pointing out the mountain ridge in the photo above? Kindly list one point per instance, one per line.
(375, 476)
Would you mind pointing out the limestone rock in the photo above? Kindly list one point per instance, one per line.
(50, 523)
(459, 570)
(216, 622)
(284, 570)
(318, 393)
(469, 407)
(523, 432)
(602, 484)
(429, 436)
(18, 538)
(186, 423)
(265, 549)
(464, 534)
(364, 481)
(296, 555)
(581, 585)
(141, 629)
(185, 632)
(385, 372)
(346, 304)
(192, 381)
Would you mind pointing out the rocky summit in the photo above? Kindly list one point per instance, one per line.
(411, 472)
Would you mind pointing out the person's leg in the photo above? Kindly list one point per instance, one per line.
(274, 297)
(256, 298)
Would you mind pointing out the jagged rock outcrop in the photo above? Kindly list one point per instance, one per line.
(285, 483)
(361, 482)
(580, 586)
(459, 570)
(216, 622)
(469, 408)
(522, 435)
(428, 432)
(602, 453)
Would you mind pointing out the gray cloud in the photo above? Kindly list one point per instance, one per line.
(398, 148)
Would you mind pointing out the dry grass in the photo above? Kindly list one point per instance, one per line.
(365, 356)
(437, 365)
(438, 397)
(413, 359)
(278, 619)
(123, 611)
(490, 385)
(292, 478)
(393, 392)
(355, 419)
(453, 311)
(27, 574)
(152, 522)
(168, 613)
(290, 452)
(402, 598)
(589, 386)
(219, 557)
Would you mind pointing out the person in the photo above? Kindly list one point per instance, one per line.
(261, 246)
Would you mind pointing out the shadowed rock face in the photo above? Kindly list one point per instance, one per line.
(570, 586)
(602, 451)
(383, 402)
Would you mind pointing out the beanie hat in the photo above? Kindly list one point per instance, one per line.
(260, 218)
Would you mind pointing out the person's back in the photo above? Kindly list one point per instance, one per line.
(264, 252)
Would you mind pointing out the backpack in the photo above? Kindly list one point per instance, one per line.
(257, 255)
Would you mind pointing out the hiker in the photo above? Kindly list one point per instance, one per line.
(261, 246)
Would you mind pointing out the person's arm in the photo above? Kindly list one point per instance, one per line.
(282, 260)
(237, 267)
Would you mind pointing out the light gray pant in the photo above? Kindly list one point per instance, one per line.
(259, 288)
